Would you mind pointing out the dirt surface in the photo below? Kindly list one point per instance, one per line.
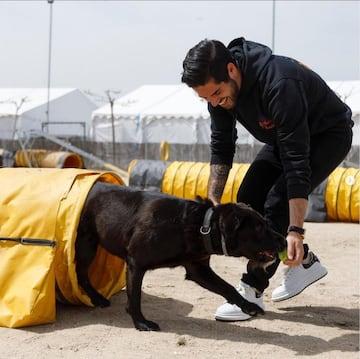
(321, 322)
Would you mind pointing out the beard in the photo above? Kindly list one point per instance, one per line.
(229, 102)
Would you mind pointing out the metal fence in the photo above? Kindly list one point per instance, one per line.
(122, 154)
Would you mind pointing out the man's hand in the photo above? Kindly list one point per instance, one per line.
(295, 249)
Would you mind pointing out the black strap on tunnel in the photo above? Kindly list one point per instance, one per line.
(31, 241)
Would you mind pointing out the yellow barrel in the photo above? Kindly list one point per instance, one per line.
(342, 195)
(48, 159)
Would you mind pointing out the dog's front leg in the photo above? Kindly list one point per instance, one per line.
(85, 251)
(134, 278)
(201, 273)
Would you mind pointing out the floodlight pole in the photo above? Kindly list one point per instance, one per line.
(273, 27)
(49, 63)
(111, 102)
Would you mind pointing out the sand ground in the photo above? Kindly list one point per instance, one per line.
(321, 322)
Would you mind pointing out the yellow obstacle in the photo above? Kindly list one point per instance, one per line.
(342, 195)
(191, 179)
(39, 214)
(47, 159)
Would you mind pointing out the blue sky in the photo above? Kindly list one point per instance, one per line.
(120, 45)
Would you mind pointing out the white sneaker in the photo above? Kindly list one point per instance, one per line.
(231, 312)
(296, 279)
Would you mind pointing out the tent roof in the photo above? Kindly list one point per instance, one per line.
(10, 98)
(157, 101)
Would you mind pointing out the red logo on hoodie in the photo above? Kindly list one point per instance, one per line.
(266, 124)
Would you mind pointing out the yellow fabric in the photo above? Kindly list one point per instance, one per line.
(27, 294)
(191, 179)
(186, 179)
(236, 175)
(46, 204)
(47, 159)
(342, 195)
(197, 180)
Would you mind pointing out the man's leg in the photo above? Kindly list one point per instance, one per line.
(265, 186)
(258, 180)
(332, 146)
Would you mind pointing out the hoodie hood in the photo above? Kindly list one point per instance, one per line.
(251, 58)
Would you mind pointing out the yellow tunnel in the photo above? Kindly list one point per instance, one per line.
(190, 179)
(342, 195)
(39, 215)
(48, 159)
(41, 158)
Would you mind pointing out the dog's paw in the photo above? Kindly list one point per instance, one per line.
(252, 309)
(147, 326)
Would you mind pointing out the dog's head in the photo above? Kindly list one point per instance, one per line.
(246, 233)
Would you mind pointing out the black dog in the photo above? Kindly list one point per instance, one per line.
(152, 230)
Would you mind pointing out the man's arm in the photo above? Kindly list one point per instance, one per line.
(297, 207)
(218, 177)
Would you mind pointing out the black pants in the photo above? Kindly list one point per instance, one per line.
(264, 187)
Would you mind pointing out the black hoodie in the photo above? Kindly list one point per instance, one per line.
(282, 103)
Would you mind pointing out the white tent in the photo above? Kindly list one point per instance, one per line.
(176, 114)
(25, 109)
(155, 113)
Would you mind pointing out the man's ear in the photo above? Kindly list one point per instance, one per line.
(234, 74)
(231, 69)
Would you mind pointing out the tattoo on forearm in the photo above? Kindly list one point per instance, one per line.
(218, 178)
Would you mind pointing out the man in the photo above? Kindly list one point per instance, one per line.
(306, 130)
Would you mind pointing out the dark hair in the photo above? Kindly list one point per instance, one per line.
(208, 59)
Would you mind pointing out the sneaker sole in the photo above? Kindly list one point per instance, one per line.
(231, 319)
(292, 295)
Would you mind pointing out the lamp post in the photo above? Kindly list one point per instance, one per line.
(273, 27)
(50, 2)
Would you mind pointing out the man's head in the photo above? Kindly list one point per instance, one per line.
(211, 70)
